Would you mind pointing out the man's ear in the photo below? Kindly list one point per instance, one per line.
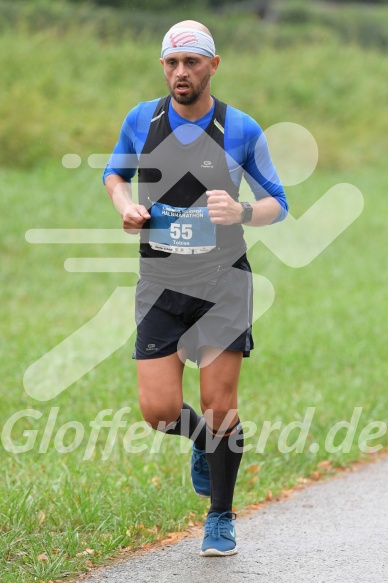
(161, 61)
(214, 61)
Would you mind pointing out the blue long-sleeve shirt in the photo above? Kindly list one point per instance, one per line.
(245, 145)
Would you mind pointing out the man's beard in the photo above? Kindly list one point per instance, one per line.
(195, 94)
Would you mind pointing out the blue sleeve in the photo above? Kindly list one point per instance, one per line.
(124, 158)
(125, 145)
(249, 148)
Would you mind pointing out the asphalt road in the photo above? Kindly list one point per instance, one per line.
(334, 531)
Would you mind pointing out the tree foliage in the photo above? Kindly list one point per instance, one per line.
(160, 5)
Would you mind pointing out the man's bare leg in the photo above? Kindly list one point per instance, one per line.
(161, 399)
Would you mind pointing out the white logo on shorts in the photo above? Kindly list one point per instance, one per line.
(151, 347)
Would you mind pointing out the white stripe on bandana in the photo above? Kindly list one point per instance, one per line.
(187, 40)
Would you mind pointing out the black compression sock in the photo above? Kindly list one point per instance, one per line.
(190, 425)
(224, 453)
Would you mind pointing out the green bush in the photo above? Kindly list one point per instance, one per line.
(71, 73)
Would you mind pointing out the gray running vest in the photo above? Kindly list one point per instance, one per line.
(173, 178)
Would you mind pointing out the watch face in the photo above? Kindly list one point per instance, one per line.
(247, 213)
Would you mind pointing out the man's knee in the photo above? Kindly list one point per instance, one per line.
(160, 415)
(219, 414)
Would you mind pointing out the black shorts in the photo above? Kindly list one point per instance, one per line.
(216, 313)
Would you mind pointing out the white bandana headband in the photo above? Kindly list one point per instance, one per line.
(187, 40)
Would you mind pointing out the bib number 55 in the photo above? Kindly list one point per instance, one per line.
(181, 231)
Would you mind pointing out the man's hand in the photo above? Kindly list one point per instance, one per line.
(223, 209)
(134, 216)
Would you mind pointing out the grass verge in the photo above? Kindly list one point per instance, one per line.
(321, 346)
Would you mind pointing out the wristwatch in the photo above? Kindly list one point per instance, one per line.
(246, 214)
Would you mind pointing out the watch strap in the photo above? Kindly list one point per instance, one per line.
(247, 211)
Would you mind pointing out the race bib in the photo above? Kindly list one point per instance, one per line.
(181, 230)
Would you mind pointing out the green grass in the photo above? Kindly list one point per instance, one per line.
(65, 96)
(322, 344)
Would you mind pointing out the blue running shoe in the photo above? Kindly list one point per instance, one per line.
(220, 535)
(200, 475)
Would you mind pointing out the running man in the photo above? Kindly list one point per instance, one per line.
(194, 295)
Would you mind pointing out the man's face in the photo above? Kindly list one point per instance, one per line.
(187, 75)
